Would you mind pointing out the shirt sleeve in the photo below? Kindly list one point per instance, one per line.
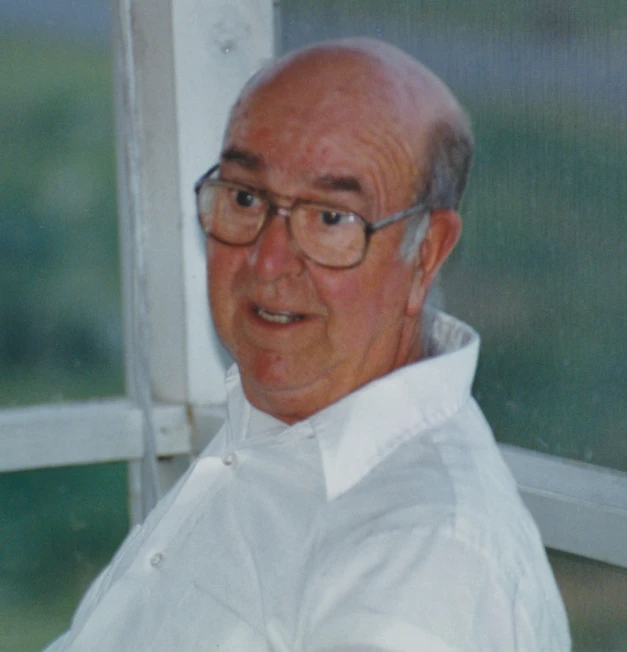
(409, 590)
(58, 645)
(125, 556)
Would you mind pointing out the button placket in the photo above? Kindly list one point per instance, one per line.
(230, 459)
(156, 559)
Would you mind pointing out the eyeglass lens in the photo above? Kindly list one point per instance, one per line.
(236, 215)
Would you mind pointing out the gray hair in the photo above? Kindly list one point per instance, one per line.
(450, 150)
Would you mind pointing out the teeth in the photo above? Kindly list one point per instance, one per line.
(277, 317)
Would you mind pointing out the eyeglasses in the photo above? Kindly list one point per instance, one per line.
(235, 214)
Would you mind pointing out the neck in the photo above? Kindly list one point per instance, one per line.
(410, 343)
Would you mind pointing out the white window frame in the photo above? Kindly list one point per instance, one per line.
(178, 66)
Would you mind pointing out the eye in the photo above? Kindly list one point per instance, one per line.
(333, 218)
(245, 199)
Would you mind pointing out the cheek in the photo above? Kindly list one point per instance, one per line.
(222, 274)
(362, 304)
(214, 278)
(224, 263)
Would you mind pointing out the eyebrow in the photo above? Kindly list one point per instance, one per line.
(326, 182)
(244, 158)
(331, 182)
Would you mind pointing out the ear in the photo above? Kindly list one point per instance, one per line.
(444, 230)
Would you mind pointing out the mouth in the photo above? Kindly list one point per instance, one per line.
(281, 317)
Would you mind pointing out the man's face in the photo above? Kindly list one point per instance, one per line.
(304, 335)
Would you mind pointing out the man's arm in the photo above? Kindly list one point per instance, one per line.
(417, 589)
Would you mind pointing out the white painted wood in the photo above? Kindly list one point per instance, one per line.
(578, 527)
(173, 430)
(87, 433)
(218, 45)
(135, 497)
(151, 248)
(562, 477)
(579, 508)
(148, 188)
(126, 147)
(65, 434)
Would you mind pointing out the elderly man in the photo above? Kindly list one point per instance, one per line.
(355, 499)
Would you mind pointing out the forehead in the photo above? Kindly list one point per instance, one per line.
(311, 127)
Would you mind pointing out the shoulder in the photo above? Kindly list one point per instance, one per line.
(425, 588)
(450, 477)
(124, 557)
(437, 543)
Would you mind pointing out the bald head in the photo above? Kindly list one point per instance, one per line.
(389, 93)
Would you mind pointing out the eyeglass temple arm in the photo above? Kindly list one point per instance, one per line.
(205, 176)
(372, 228)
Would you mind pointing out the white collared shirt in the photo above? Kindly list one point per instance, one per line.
(386, 522)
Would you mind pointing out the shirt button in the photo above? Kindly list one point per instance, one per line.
(156, 559)
(229, 460)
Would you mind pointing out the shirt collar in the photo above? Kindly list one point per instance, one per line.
(360, 430)
(244, 420)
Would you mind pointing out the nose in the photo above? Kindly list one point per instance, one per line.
(274, 253)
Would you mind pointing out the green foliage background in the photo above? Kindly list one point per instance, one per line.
(541, 274)
(60, 322)
(60, 332)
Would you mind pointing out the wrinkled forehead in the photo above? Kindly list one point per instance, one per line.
(355, 72)
(321, 89)
(365, 107)
(310, 98)
(364, 73)
(296, 136)
(362, 80)
(309, 116)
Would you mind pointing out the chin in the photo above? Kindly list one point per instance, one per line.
(280, 400)
(278, 377)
